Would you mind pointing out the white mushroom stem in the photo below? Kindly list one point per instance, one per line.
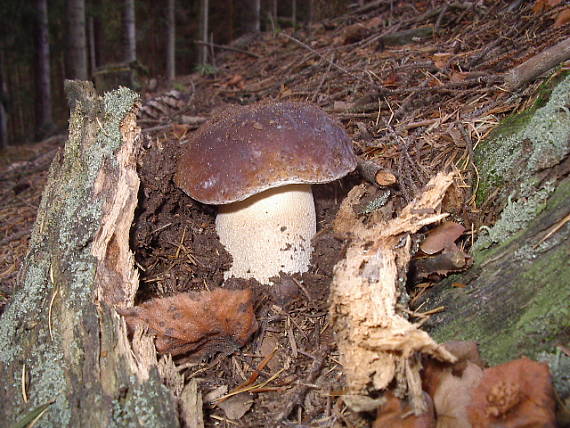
(269, 232)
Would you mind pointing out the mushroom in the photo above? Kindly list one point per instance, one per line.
(258, 163)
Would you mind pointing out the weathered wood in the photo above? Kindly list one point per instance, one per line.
(516, 297)
(60, 331)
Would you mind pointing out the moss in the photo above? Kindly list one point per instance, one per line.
(525, 143)
(523, 331)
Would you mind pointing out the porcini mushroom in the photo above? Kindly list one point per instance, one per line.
(258, 163)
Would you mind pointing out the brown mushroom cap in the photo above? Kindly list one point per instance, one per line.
(251, 149)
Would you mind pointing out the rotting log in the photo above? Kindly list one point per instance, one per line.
(61, 342)
(515, 299)
(377, 345)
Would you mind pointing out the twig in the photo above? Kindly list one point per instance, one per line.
(227, 48)
(382, 90)
(372, 172)
(537, 65)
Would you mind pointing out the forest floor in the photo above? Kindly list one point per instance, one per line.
(416, 86)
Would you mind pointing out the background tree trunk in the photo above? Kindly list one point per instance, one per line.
(63, 347)
(171, 40)
(204, 16)
(44, 117)
(252, 16)
(91, 38)
(129, 30)
(77, 40)
(3, 102)
(294, 13)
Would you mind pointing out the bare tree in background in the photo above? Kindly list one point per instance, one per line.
(44, 117)
(171, 40)
(129, 31)
(251, 19)
(3, 102)
(294, 13)
(77, 40)
(204, 16)
(91, 43)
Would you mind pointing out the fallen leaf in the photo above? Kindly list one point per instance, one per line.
(340, 106)
(392, 80)
(542, 5)
(441, 237)
(214, 394)
(441, 59)
(515, 394)
(397, 413)
(563, 18)
(236, 406)
(208, 322)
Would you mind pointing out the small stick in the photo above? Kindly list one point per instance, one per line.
(227, 48)
(537, 65)
(373, 173)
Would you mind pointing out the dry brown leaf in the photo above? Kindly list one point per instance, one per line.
(542, 5)
(515, 394)
(398, 414)
(209, 321)
(450, 385)
(441, 59)
(443, 236)
(236, 406)
(563, 18)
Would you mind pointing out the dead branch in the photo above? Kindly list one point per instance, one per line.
(537, 65)
(226, 48)
(372, 172)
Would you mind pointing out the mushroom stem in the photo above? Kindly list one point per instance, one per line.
(269, 232)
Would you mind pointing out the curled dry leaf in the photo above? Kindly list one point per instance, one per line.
(451, 385)
(204, 322)
(515, 394)
(397, 413)
(443, 236)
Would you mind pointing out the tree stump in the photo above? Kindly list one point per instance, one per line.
(64, 351)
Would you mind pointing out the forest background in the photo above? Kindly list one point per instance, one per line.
(43, 43)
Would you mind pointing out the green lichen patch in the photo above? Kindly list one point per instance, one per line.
(63, 364)
(524, 144)
(517, 298)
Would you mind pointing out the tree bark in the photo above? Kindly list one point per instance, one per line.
(514, 300)
(3, 102)
(63, 348)
(171, 40)
(204, 16)
(44, 117)
(251, 22)
(91, 38)
(77, 40)
(294, 13)
(129, 30)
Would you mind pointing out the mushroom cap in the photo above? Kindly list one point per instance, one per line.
(247, 150)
